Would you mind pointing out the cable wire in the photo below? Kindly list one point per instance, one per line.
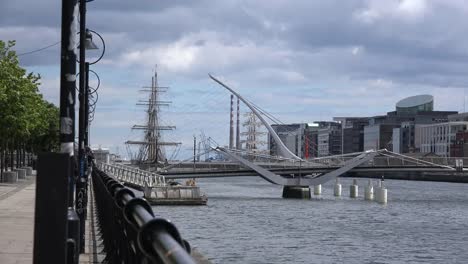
(37, 50)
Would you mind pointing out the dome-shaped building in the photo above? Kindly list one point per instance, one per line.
(415, 104)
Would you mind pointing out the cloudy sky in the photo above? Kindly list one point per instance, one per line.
(301, 60)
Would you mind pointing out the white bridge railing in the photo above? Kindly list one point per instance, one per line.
(132, 175)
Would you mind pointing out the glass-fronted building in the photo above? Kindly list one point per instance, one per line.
(415, 104)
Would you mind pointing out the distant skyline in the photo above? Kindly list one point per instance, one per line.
(301, 60)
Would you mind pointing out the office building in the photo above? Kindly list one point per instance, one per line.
(459, 147)
(378, 136)
(292, 136)
(404, 122)
(438, 138)
(353, 133)
(329, 138)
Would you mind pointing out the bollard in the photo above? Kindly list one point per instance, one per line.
(354, 189)
(337, 189)
(28, 171)
(383, 196)
(377, 190)
(318, 189)
(21, 173)
(369, 192)
(10, 176)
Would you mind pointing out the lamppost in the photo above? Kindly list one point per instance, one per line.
(86, 41)
(91, 98)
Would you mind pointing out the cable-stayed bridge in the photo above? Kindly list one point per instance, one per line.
(286, 169)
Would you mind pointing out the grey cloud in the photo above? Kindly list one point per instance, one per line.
(318, 37)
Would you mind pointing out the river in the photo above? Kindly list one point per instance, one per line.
(247, 221)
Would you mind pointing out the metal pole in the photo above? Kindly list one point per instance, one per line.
(238, 143)
(231, 124)
(67, 86)
(67, 127)
(81, 181)
(86, 116)
(342, 137)
(194, 151)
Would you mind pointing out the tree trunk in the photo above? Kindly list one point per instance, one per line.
(10, 153)
(17, 165)
(2, 161)
(22, 155)
(19, 150)
(18, 155)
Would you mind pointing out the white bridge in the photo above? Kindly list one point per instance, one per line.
(287, 169)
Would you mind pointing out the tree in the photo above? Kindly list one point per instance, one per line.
(27, 121)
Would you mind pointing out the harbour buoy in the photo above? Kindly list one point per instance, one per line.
(377, 189)
(337, 189)
(369, 191)
(318, 189)
(382, 194)
(354, 189)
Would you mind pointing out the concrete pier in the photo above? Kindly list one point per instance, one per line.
(298, 192)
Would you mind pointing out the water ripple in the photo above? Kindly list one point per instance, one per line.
(247, 221)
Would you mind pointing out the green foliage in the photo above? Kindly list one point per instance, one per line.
(25, 117)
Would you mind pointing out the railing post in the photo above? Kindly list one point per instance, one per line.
(131, 233)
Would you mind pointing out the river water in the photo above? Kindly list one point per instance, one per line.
(247, 221)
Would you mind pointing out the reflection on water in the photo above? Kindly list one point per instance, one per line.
(247, 221)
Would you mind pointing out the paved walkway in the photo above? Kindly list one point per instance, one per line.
(17, 222)
(17, 203)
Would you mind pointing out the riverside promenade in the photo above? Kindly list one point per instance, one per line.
(17, 221)
(17, 202)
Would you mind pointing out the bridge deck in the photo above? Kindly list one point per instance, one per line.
(213, 173)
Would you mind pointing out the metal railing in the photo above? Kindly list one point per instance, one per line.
(135, 176)
(131, 233)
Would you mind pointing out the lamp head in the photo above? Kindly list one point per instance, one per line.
(89, 44)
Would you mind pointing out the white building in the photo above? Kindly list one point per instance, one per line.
(101, 155)
(437, 138)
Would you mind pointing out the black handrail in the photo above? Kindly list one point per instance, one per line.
(131, 233)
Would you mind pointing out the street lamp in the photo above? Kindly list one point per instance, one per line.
(89, 44)
(86, 41)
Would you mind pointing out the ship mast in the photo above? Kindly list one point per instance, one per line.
(253, 136)
(152, 147)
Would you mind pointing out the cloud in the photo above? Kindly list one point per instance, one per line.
(302, 61)
(50, 88)
(407, 10)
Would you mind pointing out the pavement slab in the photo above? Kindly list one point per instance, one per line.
(17, 222)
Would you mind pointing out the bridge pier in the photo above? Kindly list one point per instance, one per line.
(297, 192)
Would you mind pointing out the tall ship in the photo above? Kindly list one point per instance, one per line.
(151, 151)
